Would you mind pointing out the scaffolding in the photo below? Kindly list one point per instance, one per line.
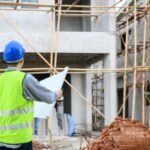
(132, 14)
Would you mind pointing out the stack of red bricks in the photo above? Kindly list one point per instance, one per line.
(123, 134)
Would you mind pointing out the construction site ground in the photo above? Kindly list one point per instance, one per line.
(65, 142)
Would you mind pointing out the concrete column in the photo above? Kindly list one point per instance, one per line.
(77, 104)
(88, 93)
(110, 81)
(110, 88)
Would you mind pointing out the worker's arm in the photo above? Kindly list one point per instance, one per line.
(33, 90)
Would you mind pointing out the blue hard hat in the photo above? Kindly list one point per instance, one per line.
(14, 52)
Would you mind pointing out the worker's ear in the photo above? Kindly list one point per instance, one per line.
(21, 63)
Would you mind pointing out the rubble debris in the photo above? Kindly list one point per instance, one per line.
(123, 134)
(38, 146)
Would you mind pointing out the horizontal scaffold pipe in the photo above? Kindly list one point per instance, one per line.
(65, 12)
(85, 70)
(56, 5)
(70, 11)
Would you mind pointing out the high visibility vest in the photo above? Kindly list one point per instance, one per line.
(16, 112)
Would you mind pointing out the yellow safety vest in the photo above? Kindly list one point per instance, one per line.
(16, 113)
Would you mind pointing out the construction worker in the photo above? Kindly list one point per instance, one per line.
(17, 92)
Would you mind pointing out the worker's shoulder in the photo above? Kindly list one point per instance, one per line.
(30, 78)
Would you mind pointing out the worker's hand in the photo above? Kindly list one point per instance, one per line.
(58, 94)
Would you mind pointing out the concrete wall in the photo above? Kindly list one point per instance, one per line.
(75, 24)
(35, 28)
(71, 24)
(106, 21)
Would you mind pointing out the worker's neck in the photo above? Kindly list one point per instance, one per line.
(17, 65)
(11, 67)
(14, 66)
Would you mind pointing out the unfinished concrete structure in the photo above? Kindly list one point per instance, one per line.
(81, 44)
(79, 35)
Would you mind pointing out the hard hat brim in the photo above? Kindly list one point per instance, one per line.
(11, 62)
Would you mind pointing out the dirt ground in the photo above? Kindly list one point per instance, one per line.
(59, 143)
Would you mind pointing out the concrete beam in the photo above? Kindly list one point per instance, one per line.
(69, 42)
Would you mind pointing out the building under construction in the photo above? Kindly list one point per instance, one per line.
(105, 44)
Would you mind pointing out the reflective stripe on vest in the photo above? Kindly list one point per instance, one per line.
(16, 126)
(17, 111)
